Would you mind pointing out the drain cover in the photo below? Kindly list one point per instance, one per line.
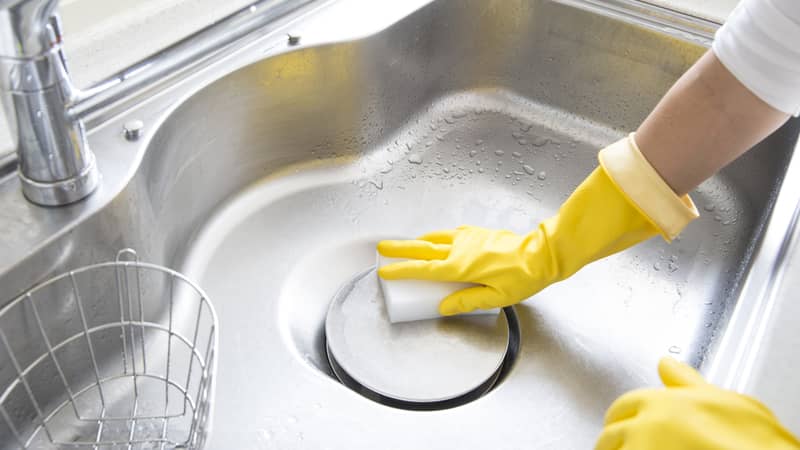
(428, 364)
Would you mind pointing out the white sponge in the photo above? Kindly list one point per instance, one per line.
(409, 300)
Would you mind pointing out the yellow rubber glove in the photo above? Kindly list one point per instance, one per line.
(691, 414)
(622, 202)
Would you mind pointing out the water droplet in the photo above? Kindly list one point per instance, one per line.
(672, 267)
(656, 266)
(446, 170)
(415, 158)
(499, 152)
(508, 175)
(525, 128)
(540, 141)
(675, 350)
(472, 153)
(479, 142)
(522, 142)
(516, 154)
(517, 135)
(386, 169)
(708, 325)
(440, 137)
(709, 207)
(542, 175)
(433, 126)
(480, 169)
(38, 113)
(528, 169)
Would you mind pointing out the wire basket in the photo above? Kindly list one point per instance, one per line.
(113, 355)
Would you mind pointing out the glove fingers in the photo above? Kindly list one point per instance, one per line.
(413, 249)
(612, 437)
(440, 236)
(677, 374)
(625, 407)
(415, 269)
(470, 299)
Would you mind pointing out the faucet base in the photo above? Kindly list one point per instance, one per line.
(62, 192)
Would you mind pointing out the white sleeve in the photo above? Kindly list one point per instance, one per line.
(760, 45)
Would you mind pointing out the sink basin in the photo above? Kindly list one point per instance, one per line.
(270, 186)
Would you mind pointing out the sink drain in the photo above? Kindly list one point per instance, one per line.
(425, 365)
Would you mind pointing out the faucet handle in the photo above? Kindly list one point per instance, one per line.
(26, 28)
(54, 27)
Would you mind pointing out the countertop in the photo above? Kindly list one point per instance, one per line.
(104, 36)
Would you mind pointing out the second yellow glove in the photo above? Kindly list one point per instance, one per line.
(621, 203)
(689, 413)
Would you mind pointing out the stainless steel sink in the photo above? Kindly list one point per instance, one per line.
(270, 184)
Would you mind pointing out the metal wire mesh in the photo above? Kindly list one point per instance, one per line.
(113, 355)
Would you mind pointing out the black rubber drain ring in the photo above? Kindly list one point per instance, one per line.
(512, 351)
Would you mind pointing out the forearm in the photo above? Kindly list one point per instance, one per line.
(705, 121)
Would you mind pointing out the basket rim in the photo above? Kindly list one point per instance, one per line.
(149, 266)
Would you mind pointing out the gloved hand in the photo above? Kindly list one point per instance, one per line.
(691, 414)
(622, 202)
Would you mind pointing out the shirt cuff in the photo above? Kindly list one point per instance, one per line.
(758, 46)
(645, 189)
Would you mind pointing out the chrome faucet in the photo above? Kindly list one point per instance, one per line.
(56, 166)
(47, 112)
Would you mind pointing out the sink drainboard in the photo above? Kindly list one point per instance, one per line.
(423, 365)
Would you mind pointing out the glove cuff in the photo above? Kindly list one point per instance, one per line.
(645, 189)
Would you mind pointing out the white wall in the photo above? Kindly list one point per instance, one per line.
(105, 36)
